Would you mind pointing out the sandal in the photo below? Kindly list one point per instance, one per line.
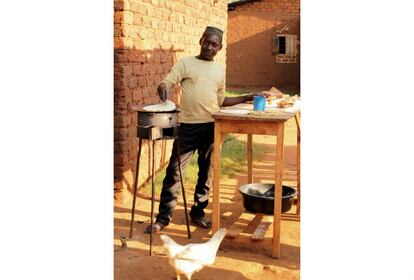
(155, 228)
(201, 222)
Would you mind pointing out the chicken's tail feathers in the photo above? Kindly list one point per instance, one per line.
(219, 235)
(167, 240)
(170, 245)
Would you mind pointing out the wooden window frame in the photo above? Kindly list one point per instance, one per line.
(290, 44)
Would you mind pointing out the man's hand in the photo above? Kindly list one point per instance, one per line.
(262, 93)
(163, 92)
(230, 101)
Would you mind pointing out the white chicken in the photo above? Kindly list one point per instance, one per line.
(192, 257)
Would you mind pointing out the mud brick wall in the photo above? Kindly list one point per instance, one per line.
(251, 27)
(149, 37)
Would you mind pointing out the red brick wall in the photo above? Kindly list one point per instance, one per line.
(149, 37)
(251, 27)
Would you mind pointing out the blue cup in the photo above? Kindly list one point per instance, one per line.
(259, 103)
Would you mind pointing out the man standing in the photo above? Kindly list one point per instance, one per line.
(203, 83)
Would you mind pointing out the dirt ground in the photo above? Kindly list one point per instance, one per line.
(234, 261)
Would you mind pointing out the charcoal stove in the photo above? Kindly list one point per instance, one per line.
(155, 126)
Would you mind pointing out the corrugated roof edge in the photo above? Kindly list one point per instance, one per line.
(232, 6)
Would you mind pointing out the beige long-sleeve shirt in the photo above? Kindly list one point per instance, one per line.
(203, 86)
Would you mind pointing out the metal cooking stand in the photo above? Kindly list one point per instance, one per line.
(156, 133)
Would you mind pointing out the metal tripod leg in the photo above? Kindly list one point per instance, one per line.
(182, 188)
(135, 188)
(152, 194)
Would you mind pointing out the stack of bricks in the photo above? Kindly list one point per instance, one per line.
(149, 37)
(251, 62)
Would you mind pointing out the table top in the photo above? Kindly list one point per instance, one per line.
(279, 116)
(244, 112)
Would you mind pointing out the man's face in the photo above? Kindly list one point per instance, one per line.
(210, 45)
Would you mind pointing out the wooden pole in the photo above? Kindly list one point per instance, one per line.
(216, 177)
(249, 158)
(135, 188)
(278, 190)
(297, 118)
(152, 195)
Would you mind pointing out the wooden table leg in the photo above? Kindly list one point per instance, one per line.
(249, 158)
(298, 173)
(216, 177)
(278, 190)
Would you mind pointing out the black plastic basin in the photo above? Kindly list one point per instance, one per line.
(258, 197)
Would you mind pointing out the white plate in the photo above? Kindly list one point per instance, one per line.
(161, 107)
(235, 111)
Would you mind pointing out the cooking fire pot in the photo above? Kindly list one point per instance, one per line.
(161, 119)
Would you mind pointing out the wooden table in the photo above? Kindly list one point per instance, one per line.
(251, 124)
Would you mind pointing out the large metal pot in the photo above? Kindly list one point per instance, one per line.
(258, 197)
(162, 119)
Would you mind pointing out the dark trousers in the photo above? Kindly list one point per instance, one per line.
(192, 137)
